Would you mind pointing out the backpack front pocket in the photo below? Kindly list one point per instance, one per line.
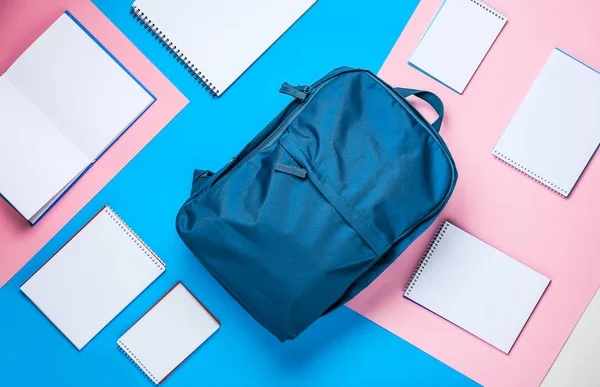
(291, 255)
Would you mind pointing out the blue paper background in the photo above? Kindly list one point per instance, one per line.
(342, 349)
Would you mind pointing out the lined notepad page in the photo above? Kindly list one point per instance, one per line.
(578, 362)
(456, 42)
(555, 131)
(92, 278)
(221, 39)
(168, 333)
(476, 287)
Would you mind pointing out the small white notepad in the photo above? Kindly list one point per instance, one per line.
(476, 287)
(168, 333)
(579, 360)
(218, 40)
(63, 102)
(555, 131)
(456, 42)
(92, 278)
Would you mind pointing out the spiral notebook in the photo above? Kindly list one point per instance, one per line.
(577, 363)
(456, 41)
(168, 333)
(93, 277)
(555, 132)
(63, 102)
(476, 287)
(216, 41)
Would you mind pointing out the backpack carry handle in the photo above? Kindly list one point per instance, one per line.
(430, 98)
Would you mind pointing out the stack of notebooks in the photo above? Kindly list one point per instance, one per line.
(476, 287)
(63, 102)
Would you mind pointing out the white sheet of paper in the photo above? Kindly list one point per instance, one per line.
(555, 131)
(92, 278)
(36, 159)
(223, 38)
(457, 40)
(165, 336)
(577, 363)
(78, 101)
(477, 287)
(78, 86)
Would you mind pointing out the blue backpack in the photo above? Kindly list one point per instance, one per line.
(321, 201)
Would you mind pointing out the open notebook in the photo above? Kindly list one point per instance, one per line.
(93, 277)
(216, 41)
(555, 131)
(578, 362)
(168, 333)
(63, 102)
(476, 287)
(456, 42)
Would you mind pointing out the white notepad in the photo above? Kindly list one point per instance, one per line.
(555, 131)
(579, 360)
(168, 333)
(218, 40)
(93, 277)
(62, 103)
(476, 287)
(456, 42)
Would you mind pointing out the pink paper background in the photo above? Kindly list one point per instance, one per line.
(558, 237)
(21, 22)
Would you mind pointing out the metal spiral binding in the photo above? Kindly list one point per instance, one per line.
(529, 173)
(137, 362)
(485, 6)
(133, 236)
(194, 71)
(426, 257)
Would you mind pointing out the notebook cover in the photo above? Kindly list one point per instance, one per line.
(453, 60)
(137, 361)
(554, 133)
(217, 42)
(476, 287)
(33, 295)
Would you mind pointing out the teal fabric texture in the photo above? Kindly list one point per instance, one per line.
(340, 349)
(322, 200)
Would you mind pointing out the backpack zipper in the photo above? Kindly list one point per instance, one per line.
(311, 91)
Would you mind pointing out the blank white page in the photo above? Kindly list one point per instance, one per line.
(555, 131)
(222, 38)
(456, 42)
(36, 159)
(476, 287)
(168, 333)
(92, 278)
(577, 363)
(86, 94)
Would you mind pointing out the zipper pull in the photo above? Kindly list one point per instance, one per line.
(294, 171)
(298, 92)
